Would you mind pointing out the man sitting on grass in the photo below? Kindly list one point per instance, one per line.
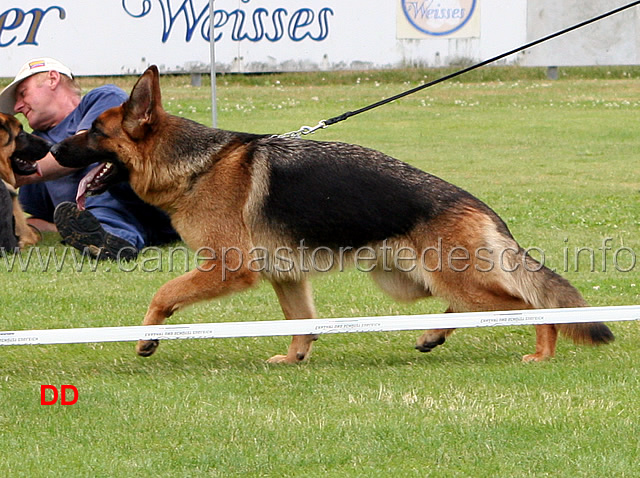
(114, 225)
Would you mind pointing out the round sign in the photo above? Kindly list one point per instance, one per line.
(438, 17)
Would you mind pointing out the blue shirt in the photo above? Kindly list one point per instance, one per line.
(92, 105)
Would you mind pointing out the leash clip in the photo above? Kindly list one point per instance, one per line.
(304, 130)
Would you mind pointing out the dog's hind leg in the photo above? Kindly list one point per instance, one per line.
(404, 288)
(546, 338)
(203, 283)
(296, 301)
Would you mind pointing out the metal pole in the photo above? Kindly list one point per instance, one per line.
(212, 46)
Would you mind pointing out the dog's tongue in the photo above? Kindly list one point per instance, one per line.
(81, 195)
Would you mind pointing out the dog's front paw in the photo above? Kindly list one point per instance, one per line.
(146, 348)
(282, 359)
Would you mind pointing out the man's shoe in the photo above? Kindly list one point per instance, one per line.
(82, 230)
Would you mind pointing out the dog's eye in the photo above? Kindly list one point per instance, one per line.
(97, 131)
(21, 135)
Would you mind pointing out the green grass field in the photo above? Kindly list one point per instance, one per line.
(558, 160)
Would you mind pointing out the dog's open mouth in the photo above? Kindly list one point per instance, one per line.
(96, 182)
(24, 167)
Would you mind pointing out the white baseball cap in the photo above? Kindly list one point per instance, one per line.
(36, 65)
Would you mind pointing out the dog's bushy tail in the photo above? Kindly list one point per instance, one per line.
(542, 288)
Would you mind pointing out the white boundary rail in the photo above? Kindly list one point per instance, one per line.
(320, 326)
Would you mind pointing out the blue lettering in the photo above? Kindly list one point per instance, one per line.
(189, 14)
(223, 18)
(300, 19)
(18, 17)
(323, 18)
(424, 11)
(305, 17)
(146, 8)
(419, 10)
(258, 26)
(278, 25)
(238, 34)
(237, 24)
(299, 26)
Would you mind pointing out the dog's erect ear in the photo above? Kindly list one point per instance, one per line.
(144, 104)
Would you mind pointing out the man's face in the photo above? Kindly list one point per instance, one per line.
(34, 99)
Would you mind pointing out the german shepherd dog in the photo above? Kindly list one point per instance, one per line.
(19, 152)
(282, 208)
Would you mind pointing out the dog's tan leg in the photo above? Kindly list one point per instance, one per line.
(546, 338)
(296, 301)
(26, 235)
(205, 282)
